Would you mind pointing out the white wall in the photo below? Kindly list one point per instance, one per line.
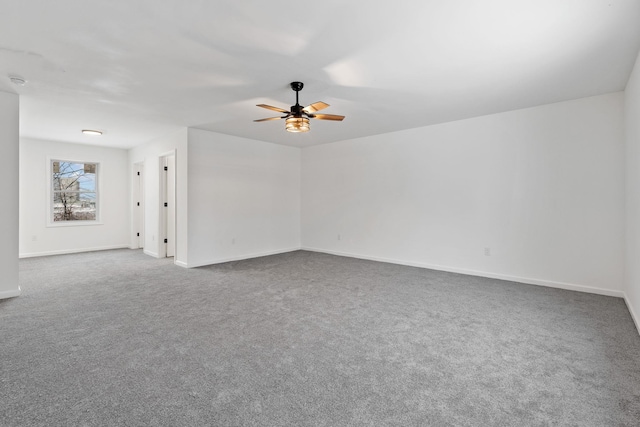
(244, 198)
(632, 137)
(149, 154)
(542, 188)
(36, 238)
(9, 153)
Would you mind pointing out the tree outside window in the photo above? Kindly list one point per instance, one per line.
(74, 191)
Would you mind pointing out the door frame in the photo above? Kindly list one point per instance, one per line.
(168, 196)
(138, 205)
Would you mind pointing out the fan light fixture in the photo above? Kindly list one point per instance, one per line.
(91, 132)
(17, 80)
(297, 124)
(297, 119)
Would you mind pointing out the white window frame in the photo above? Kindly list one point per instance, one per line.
(50, 193)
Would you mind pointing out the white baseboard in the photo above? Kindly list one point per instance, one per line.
(526, 280)
(10, 294)
(71, 251)
(241, 257)
(634, 316)
(148, 252)
(181, 264)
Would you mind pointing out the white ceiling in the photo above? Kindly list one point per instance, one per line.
(138, 69)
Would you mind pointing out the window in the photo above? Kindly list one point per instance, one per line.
(74, 191)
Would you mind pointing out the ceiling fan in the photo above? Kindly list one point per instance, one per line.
(297, 120)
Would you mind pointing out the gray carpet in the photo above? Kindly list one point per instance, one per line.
(307, 339)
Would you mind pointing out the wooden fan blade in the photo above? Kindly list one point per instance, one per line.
(328, 117)
(271, 107)
(316, 106)
(268, 118)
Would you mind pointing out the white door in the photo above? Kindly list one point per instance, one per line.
(171, 205)
(138, 204)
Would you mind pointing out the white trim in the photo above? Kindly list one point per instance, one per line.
(150, 253)
(72, 251)
(168, 153)
(72, 224)
(168, 229)
(137, 211)
(10, 294)
(526, 280)
(181, 264)
(634, 316)
(240, 258)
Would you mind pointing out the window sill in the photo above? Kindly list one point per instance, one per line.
(72, 223)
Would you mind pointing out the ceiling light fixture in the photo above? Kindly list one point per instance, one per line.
(91, 132)
(17, 80)
(297, 119)
(297, 124)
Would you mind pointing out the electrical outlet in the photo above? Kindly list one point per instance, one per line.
(233, 241)
(339, 237)
(487, 251)
(34, 238)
